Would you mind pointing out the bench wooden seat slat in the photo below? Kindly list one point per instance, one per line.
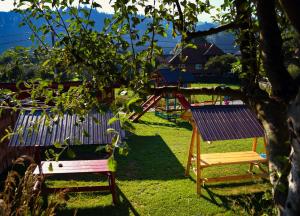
(78, 166)
(230, 158)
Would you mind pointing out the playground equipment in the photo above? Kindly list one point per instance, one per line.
(171, 106)
(168, 106)
(224, 122)
(152, 101)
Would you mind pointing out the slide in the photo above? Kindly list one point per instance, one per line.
(183, 101)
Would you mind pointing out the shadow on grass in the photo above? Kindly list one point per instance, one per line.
(124, 207)
(251, 203)
(149, 158)
(179, 124)
(233, 184)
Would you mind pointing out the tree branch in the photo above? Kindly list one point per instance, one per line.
(30, 25)
(283, 86)
(290, 8)
(153, 33)
(181, 17)
(191, 35)
(247, 43)
(63, 23)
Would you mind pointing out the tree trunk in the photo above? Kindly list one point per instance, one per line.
(292, 206)
(273, 115)
(283, 87)
(275, 119)
(291, 8)
(247, 44)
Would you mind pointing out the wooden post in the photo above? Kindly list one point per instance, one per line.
(191, 151)
(198, 165)
(266, 149)
(254, 144)
(254, 147)
(112, 187)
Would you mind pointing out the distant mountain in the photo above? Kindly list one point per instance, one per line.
(11, 35)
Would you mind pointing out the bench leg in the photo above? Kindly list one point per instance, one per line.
(251, 167)
(112, 186)
(44, 194)
(199, 181)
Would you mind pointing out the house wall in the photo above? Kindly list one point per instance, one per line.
(196, 72)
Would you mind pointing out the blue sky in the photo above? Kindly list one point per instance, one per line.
(7, 5)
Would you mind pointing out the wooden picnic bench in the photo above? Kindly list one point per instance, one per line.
(224, 122)
(48, 168)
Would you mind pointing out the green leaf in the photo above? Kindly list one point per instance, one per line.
(100, 148)
(57, 145)
(96, 5)
(67, 141)
(110, 130)
(123, 151)
(133, 101)
(112, 120)
(85, 133)
(50, 167)
(71, 153)
(112, 164)
(45, 63)
(106, 21)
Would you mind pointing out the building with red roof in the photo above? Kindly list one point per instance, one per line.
(193, 59)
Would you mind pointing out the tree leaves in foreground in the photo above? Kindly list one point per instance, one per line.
(105, 57)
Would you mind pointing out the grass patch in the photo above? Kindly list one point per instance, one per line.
(202, 98)
(151, 178)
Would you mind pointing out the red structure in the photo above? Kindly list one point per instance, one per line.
(76, 167)
(183, 101)
(149, 103)
(152, 102)
(166, 77)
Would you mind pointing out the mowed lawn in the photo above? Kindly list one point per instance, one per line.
(151, 178)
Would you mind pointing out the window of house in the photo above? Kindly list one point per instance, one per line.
(198, 66)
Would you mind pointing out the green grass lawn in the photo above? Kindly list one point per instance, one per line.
(151, 178)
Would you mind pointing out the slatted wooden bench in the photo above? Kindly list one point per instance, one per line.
(219, 159)
(224, 122)
(227, 158)
(48, 168)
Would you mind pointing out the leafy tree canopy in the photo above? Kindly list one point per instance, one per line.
(107, 57)
(220, 64)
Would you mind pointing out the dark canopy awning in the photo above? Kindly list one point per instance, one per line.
(220, 122)
(32, 129)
